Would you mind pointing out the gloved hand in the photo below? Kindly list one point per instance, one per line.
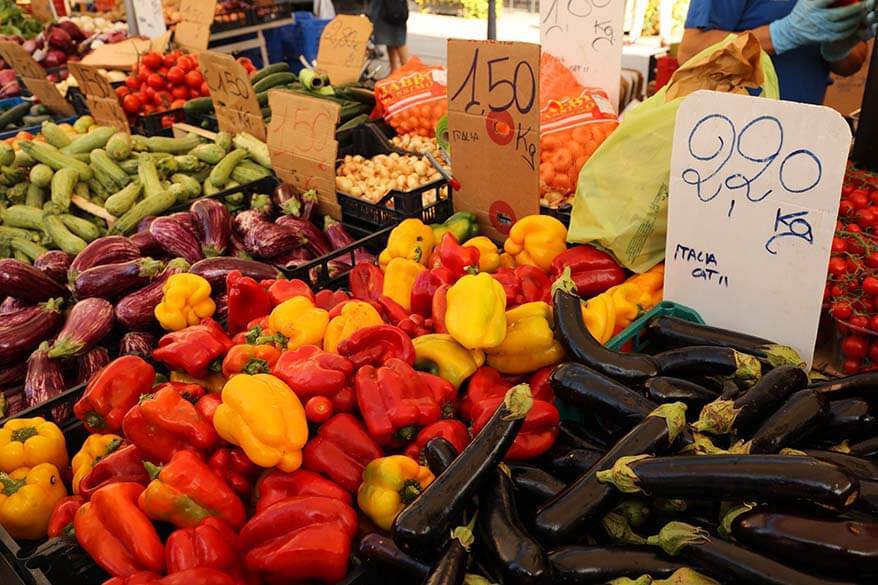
(812, 22)
(838, 50)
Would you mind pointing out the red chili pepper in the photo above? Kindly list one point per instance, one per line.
(282, 290)
(277, 485)
(233, 465)
(453, 431)
(310, 371)
(341, 449)
(536, 436)
(457, 259)
(592, 270)
(124, 465)
(366, 281)
(377, 344)
(61, 520)
(212, 544)
(111, 392)
(326, 299)
(247, 301)
(193, 349)
(425, 286)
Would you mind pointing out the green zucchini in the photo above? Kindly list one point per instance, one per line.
(14, 232)
(95, 138)
(22, 159)
(54, 135)
(97, 189)
(21, 256)
(81, 227)
(63, 237)
(274, 80)
(119, 146)
(248, 172)
(17, 193)
(53, 157)
(7, 154)
(258, 150)
(188, 163)
(14, 175)
(191, 186)
(209, 153)
(22, 216)
(223, 140)
(83, 123)
(41, 175)
(129, 165)
(30, 249)
(172, 145)
(14, 115)
(5, 247)
(101, 161)
(281, 67)
(121, 201)
(166, 166)
(209, 188)
(149, 176)
(63, 182)
(81, 190)
(155, 205)
(35, 196)
(220, 174)
(138, 143)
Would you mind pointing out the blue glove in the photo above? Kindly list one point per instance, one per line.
(812, 22)
(838, 50)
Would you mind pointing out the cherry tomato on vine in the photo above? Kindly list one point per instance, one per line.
(847, 189)
(853, 265)
(181, 92)
(859, 321)
(872, 260)
(837, 291)
(839, 245)
(870, 286)
(132, 83)
(841, 310)
(852, 227)
(845, 207)
(855, 246)
(873, 350)
(122, 91)
(851, 366)
(152, 60)
(318, 409)
(865, 218)
(859, 199)
(155, 81)
(131, 104)
(855, 347)
(194, 79)
(176, 75)
(837, 266)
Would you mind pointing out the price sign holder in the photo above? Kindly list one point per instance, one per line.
(753, 201)
(43, 10)
(193, 31)
(237, 109)
(494, 129)
(301, 141)
(100, 96)
(342, 49)
(34, 77)
(587, 37)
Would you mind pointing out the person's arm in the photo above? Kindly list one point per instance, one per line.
(696, 40)
(852, 63)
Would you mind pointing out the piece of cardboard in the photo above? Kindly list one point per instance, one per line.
(100, 96)
(193, 31)
(42, 10)
(301, 141)
(122, 55)
(34, 78)
(237, 109)
(342, 49)
(150, 18)
(495, 142)
(753, 201)
(587, 37)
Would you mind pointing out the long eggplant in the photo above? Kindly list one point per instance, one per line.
(866, 448)
(533, 481)
(722, 416)
(850, 418)
(215, 270)
(705, 360)
(565, 516)
(106, 250)
(45, 378)
(295, 258)
(339, 238)
(112, 281)
(21, 316)
(819, 543)
(796, 417)
(580, 436)
(857, 466)
(450, 569)
(54, 264)
(13, 374)
(585, 349)
(139, 343)
(18, 341)
(571, 463)
(586, 565)
(12, 305)
(89, 321)
(769, 478)
(378, 550)
(213, 226)
(863, 385)
(88, 364)
(667, 389)
(25, 282)
(146, 244)
(726, 561)
(262, 238)
(439, 454)
(136, 310)
(510, 550)
(868, 501)
(424, 524)
(309, 235)
(175, 239)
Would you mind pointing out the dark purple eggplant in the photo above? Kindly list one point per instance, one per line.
(139, 343)
(17, 342)
(572, 463)
(857, 466)
(581, 565)
(380, 552)
(111, 281)
(450, 569)
(25, 282)
(863, 385)
(533, 481)
(54, 264)
(438, 454)
(173, 236)
(339, 238)
(135, 310)
(822, 544)
(264, 239)
(868, 501)
(796, 417)
(12, 375)
(769, 478)
(215, 270)
(89, 321)
(667, 389)
(12, 305)
(213, 225)
(730, 390)
(106, 250)
(146, 244)
(706, 360)
(88, 364)
(14, 400)
(295, 258)
(851, 418)
(44, 380)
(866, 448)
(221, 300)
(310, 236)
(580, 436)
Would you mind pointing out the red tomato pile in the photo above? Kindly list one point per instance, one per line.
(160, 83)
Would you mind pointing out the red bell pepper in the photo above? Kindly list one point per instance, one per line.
(212, 544)
(276, 485)
(392, 311)
(537, 434)
(488, 383)
(282, 290)
(111, 392)
(189, 392)
(300, 539)
(416, 325)
(425, 286)
(453, 431)
(310, 371)
(199, 576)
(231, 464)
(164, 423)
(122, 465)
(375, 345)
(194, 348)
(366, 281)
(592, 270)
(250, 359)
(248, 300)
(326, 299)
(61, 520)
(207, 405)
(439, 308)
(341, 449)
(443, 391)
(455, 258)
(524, 284)
(540, 388)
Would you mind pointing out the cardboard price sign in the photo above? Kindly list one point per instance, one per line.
(237, 109)
(342, 49)
(100, 96)
(587, 37)
(494, 129)
(752, 207)
(149, 16)
(193, 30)
(42, 10)
(301, 140)
(34, 77)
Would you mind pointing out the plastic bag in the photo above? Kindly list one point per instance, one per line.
(413, 98)
(622, 194)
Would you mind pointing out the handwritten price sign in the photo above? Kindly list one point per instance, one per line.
(342, 49)
(237, 109)
(99, 94)
(34, 77)
(494, 128)
(586, 35)
(754, 190)
(193, 30)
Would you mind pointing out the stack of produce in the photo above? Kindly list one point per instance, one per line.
(159, 83)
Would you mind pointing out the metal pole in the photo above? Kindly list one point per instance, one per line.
(865, 154)
(492, 20)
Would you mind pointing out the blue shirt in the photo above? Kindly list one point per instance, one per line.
(802, 72)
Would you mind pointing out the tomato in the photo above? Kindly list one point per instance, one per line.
(150, 93)
(186, 63)
(176, 75)
(859, 321)
(318, 409)
(845, 207)
(181, 92)
(163, 71)
(155, 81)
(152, 60)
(865, 218)
(847, 189)
(122, 91)
(853, 265)
(837, 266)
(162, 99)
(852, 227)
(176, 104)
(148, 109)
(169, 60)
(872, 260)
(142, 76)
(205, 91)
(855, 246)
(873, 326)
(839, 245)
(194, 79)
(851, 366)
(131, 104)
(855, 347)
(870, 286)
(837, 291)
(859, 199)
(132, 83)
(841, 310)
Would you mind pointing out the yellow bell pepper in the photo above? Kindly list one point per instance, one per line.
(489, 255)
(27, 497)
(535, 240)
(260, 414)
(440, 354)
(530, 342)
(95, 448)
(599, 315)
(389, 485)
(27, 442)
(411, 239)
(299, 321)
(186, 302)
(354, 315)
(476, 313)
(507, 260)
(615, 309)
(399, 278)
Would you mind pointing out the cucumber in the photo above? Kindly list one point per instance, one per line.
(53, 157)
(220, 174)
(102, 162)
(62, 187)
(281, 67)
(209, 153)
(274, 80)
(54, 135)
(63, 237)
(41, 175)
(202, 105)
(7, 154)
(123, 200)
(155, 205)
(14, 115)
(81, 227)
(35, 196)
(149, 176)
(30, 249)
(119, 146)
(172, 145)
(83, 123)
(22, 216)
(95, 138)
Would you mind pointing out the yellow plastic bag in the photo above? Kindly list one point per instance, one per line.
(622, 194)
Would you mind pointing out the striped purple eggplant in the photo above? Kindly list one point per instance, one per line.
(12, 375)
(178, 241)
(215, 270)
(146, 244)
(308, 233)
(54, 264)
(88, 364)
(111, 281)
(12, 305)
(262, 238)
(44, 380)
(23, 315)
(185, 219)
(213, 226)
(290, 202)
(135, 310)
(14, 400)
(25, 282)
(295, 258)
(139, 343)
(143, 224)
(340, 238)
(17, 341)
(89, 321)
(106, 250)
(236, 248)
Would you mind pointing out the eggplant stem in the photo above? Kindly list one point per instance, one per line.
(621, 476)
(674, 414)
(717, 417)
(565, 283)
(675, 536)
(687, 576)
(702, 445)
(642, 580)
(749, 368)
(783, 355)
(464, 534)
(518, 401)
(618, 529)
(725, 523)
(793, 452)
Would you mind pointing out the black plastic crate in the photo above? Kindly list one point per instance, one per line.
(562, 213)
(205, 121)
(231, 20)
(155, 125)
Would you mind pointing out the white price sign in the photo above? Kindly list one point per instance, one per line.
(150, 18)
(754, 190)
(586, 35)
